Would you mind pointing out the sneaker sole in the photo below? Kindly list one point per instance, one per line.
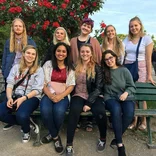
(5, 129)
(26, 141)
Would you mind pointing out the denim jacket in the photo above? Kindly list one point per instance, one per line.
(8, 57)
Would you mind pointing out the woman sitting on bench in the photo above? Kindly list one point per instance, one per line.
(118, 87)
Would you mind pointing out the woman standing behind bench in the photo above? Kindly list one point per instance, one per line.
(29, 92)
(59, 83)
(118, 85)
(87, 97)
(144, 58)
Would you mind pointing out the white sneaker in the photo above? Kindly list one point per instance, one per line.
(25, 137)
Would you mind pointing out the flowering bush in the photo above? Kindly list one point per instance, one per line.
(99, 33)
(42, 17)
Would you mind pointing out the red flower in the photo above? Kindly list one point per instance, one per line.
(82, 7)
(2, 23)
(3, 8)
(94, 4)
(66, 1)
(60, 18)
(86, 15)
(15, 9)
(55, 24)
(46, 22)
(47, 4)
(12, 4)
(54, 7)
(44, 27)
(103, 25)
(72, 14)
(63, 6)
(2, 1)
(33, 26)
(18, 9)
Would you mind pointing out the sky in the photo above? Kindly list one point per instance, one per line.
(119, 12)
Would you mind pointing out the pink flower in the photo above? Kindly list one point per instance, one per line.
(33, 26)
(82, 7)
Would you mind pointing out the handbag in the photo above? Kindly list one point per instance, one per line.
(56, 87)
(133, 67)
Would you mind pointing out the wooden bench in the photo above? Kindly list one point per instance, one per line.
(144, 92)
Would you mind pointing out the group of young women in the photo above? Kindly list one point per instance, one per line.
(82, 76)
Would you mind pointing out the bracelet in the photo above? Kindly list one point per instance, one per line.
(26, 97)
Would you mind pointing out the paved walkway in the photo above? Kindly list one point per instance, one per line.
(84, 144)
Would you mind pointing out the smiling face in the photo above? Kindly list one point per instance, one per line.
(135, 27)
(18, 27)
(110, 61)
(86, 29)
(85, 53)
(61, 53)
(30, 56)
(60, 35)
(110, 32)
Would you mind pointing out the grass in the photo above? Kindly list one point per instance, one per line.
(151, 104)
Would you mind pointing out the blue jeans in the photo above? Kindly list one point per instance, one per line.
(22, 115)
(122, 114)
(53, 114)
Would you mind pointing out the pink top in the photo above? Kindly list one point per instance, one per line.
(81, 87)
(59, 76)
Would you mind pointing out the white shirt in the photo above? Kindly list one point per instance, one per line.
(130, 48)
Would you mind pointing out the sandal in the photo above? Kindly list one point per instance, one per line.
(142, 127)
(89, 127)
(131, 126)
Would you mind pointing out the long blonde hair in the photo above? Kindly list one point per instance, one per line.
(90, 66)
(118, 47)
(23, 65)
(13, 42)
(142, 33)
(66, 39)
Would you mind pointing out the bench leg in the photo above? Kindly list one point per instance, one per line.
(150, 140)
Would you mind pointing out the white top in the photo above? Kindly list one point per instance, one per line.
(130, 48)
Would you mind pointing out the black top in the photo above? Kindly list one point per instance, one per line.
(80, 43)
(48, 54)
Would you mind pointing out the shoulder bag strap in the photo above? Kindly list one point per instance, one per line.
(20, 81)
(137, 50)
